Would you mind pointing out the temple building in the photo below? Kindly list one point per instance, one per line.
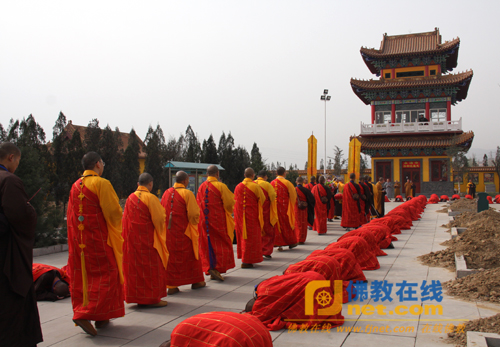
(412, 127)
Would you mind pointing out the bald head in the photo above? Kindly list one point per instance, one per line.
(89, 160)
(281, 171)
(212, 170)
(181, 176)
(249, 305)
(61, 289)
(8, 148)
(352, 176)
(313, 179)
(299, 180)
(262, 173)
(321, 179)
(145, 179)
(249, 173)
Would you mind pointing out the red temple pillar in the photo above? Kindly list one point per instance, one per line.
(393, 113)
(373, 114)
(448, 110)
(426, 70)
(427, 110)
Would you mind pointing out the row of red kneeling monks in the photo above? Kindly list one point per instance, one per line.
(154, 247)
(434, 199)
(281, 301)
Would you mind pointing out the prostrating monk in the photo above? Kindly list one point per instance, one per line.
(323, 196)
(379, 197)
(397, 188)
(19, 320)
(216, 226)
(286, 197)
(270, 214)
(350, 270)
(281, 302)
(183, 214)
(249, 219)
(228, 329)
(304, 210)
(95, 248)
(361, 249)
(51, 283)
(145, 254)
(408, 190)
(351, 206)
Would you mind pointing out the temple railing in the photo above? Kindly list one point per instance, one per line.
(413, 127)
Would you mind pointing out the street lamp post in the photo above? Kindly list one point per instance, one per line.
(326, 98)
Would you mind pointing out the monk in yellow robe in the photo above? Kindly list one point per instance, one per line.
(183, 214)
(379, 196)
(270, 213)
(95, 248)
(397, 188)
(408, 189)
(145, 254)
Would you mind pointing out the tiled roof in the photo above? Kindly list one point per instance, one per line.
(71, 128)
(426, 141)
(410, 44)
(462, 80)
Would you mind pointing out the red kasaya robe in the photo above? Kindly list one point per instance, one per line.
(369, 237)
(362, 251)
(103, 288)
(40, 269)
(351, 210)
(320, 209)
(285, 201)
(143, 267)
(270, 215)
(228, 329)
(248, 217)
(300, 218)
(281, 302)
(220, 226)
(350, 270)
(184, 265)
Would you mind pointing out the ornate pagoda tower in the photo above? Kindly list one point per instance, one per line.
(411, 125)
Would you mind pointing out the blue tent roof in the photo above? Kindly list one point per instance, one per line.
(180, 165)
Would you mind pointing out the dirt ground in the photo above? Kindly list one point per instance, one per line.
(485, 325)
(464, 204)
(484, 286)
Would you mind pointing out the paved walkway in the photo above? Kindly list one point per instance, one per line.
(151, 327)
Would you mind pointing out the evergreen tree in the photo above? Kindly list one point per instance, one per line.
(226, 152)
(338, 161)
(256, 162)
(174, 149)
(92, 136)
(485, 160)
(13, 131)
(59, 181)
(130, 172)
(474, 161)
(73, 168)
(155, 163)
(236, 171)
(292, 174)
(192, 152)
(3, 134)
(110, 154)
(209, 151)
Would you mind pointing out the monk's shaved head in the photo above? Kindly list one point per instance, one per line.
(249, 305)
(322, 179)
(313, 178)
(181, 176)
(249, 173)
(145, 179)
(281, 171)
(61, 289)
(262, 173)
(89, 160)
(8, 148)
(212, 170)
(352, 176)
(299, 180)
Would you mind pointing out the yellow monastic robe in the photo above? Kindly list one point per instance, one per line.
(193, 214)
(228, 202)
(109, 203)
(158, 217)
(272, 198)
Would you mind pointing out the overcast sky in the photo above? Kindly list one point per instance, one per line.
(252, 68)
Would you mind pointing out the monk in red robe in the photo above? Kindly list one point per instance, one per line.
(286, 197)
(183, 214)
(351, 206)
(350, 270)
(249, 219)
(304, 210)
(228, 329)
(216, 226)
(95, 248)
(270, 213)
(281, 302)
(310, 186)
(323, 196)
(145, 254)
(361, 249)
(51, 283)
